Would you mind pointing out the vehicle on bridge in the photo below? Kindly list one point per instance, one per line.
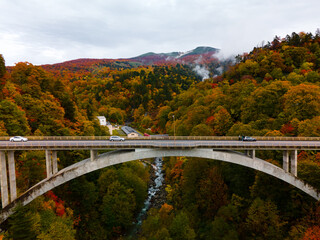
(18, 139)
(248, 139)
(116, 138)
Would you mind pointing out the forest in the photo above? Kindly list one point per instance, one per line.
(272, 91)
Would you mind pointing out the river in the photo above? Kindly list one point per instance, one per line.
(154, 198)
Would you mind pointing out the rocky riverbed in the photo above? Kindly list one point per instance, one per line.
(156, 189)
(157, 182)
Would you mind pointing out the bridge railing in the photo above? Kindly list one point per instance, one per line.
(156, 137)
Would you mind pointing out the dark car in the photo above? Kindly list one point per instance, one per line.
(249, 139)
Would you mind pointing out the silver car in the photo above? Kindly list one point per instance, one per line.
(18, 139)
(116, 138)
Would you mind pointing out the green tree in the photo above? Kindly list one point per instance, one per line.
(117, 208)
(3, 130)
(32, 165)
(241, 129)
(2, 66)
(55, 227)
(309, 127)
(14, 118)
(211, 193)
(138, 114)
(163, 117)
(154, 227)
(180, 228)
(201, 130)
(263, 221)
(264, 102)
(224, 224)
(23, 224)
(241, 91)
(302, 102)
(309, 171)
(222, 121)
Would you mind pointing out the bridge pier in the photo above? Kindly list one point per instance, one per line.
(51, 163)
(251, 153)
(290, 158)
(294, 162)
(93, 154)
(4, 178)
(12, 176)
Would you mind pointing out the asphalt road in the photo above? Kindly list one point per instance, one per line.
(132, 144)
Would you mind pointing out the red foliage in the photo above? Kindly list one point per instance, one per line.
(59, 207)
(303, 156)
(287, 129)
(268, 78)
(312, 233)
(317, 158)
(209, 119)
(76, 220)
(304, 72)
(214, 85)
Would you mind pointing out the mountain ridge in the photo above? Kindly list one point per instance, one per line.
(181, 57)
(150, 57)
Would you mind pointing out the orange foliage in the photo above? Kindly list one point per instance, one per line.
(176, 172)
(165, 209)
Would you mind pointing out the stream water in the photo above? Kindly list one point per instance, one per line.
(156, 182)
(153, 189)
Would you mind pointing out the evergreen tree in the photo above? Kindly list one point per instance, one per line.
(2, 66)
(23, 224)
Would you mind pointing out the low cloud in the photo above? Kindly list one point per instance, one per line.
(202, 72)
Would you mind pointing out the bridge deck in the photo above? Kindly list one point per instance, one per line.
(167, 144)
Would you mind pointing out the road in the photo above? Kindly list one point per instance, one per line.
(133, 144)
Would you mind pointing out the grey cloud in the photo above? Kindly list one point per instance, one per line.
(53, 30)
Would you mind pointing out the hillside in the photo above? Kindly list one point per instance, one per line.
(272, 91)
(203, 60)
(199, 55)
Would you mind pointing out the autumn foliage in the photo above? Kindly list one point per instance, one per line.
(272, 91)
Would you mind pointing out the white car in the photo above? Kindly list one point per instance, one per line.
(116, 138)
(18, 139)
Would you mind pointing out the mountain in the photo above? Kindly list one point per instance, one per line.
(199, 55)
(203, 60)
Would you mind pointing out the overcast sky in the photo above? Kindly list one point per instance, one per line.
(52, 31)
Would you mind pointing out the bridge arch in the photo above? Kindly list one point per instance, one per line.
(121, 156)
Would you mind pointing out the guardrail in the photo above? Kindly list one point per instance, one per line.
(227, 138)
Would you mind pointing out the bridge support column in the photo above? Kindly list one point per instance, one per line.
(294, 162)
(290, 159)
(48, 163)
(285, 163)
(4, 180)
(54, 162)
(251, 153)
(93, 154)
(51, 163)
(12, 176)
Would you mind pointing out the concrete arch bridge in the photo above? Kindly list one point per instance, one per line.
(227, 150)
